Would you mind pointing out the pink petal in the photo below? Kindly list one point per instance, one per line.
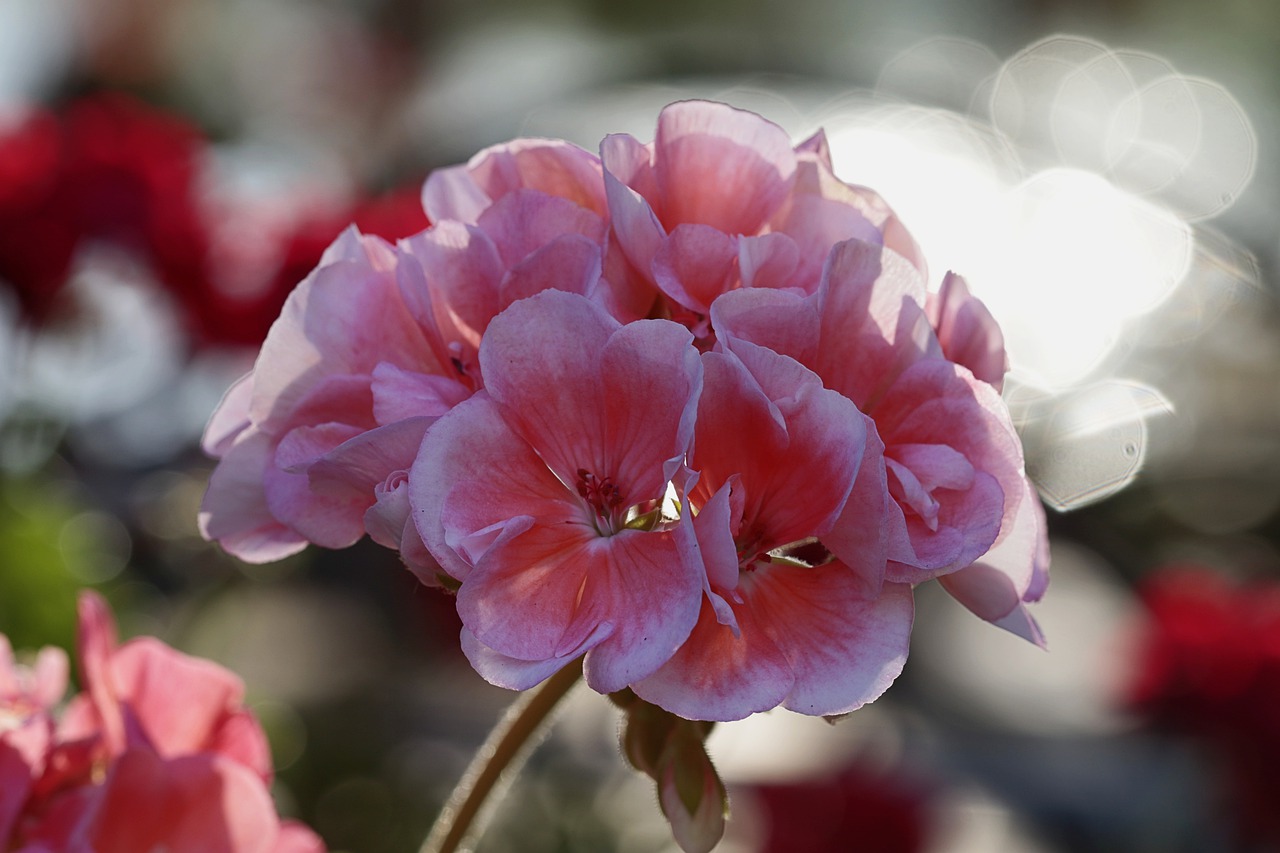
(720, 674)
(991, 595)
(230, 418)
(95, 650)
(524, 221)
(721, 167)
(967, 332)
(345, 318)
(197, 804)
(515, 674)
(459, 291)
(873, 323)
(870, 524)
(452, 193)
(355, 467)
(548, 165)
(816, 147)
(769, 260)
(174, 704)
(328, 520)
(844, 648)
(234, 511)
(296, 838)
(632, 192)
(472, 460)
(779, 445)
(784, 322)
(400, 394)
(694, 265)
(588, 394)
(570, 262)
(821, 212)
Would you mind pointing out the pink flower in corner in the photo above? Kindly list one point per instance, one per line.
(542, 495)
(721, 199)
(157, 752)
(778, 459)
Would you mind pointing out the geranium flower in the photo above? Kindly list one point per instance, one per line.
(784, 622)
(720, 200)
(541, 496)
(953, 461)
(158, 752)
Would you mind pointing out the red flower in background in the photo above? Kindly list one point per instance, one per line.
(109, 169)
(1208, 667)
(882, 811)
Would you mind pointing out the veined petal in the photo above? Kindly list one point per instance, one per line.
(694, 265)
(720, 674)
(400, 394)
(719, 166)
(459, 291)
(230, 418)
(569, 262)
(782, 321)
(768, 260)
(234, 511)
(630, 188)
(513, 673)
(474, 466)
(524, 221)
(844, 648)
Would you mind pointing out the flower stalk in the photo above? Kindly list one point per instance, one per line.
(496, 763)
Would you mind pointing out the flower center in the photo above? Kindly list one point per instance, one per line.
(604, 498)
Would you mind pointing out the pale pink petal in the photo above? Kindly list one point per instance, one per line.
(817, 147)
(388, 518)
(589, 394)
(356, 466)
(452, 193)
(513, 673)
(49, 677)
(327, 519)
(399, 394)
(870, 525)
(196, 804)
(627, 294)
(844, 648)
(461, 271)
(344, 318)
(230, 418)
(524, 221)
(718, 166)
(570, 262)
(784, 322)
(501, 477)
(991, 595)
(967, 332)
(873, 322)
(769, 260)
(629, 184)
(297, 838)
(234, 511)
(820, 212)
(550, 166)
(173, 703)
(720, 674)
(95, 650)
(647, 587)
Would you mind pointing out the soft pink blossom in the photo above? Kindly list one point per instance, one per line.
(157, 752)
(953, 462)
(527, 494)
(721, 199)
(784, 621)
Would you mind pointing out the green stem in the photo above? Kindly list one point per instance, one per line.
(496, 763)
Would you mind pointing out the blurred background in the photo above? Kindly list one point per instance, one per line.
(170, 169)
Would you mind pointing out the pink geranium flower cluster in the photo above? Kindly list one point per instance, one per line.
(157, 752)
(685, 408)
